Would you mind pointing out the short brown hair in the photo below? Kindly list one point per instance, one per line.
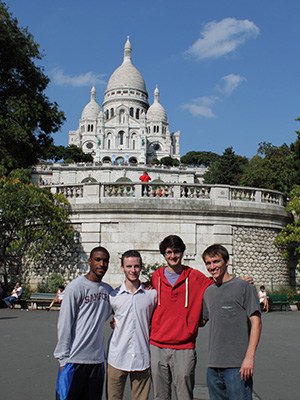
(216, 250)
(131, 253)
(173, 242)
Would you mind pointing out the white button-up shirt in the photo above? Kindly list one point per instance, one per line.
(129, 344)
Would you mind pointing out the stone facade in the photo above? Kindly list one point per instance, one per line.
(255, 254)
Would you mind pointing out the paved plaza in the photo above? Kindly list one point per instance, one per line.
(28, 369)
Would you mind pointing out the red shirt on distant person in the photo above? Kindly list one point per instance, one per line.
(145, 177)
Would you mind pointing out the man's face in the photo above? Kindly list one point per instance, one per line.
(216, 266)
(132, 268)
(98, 264)
(173, 257)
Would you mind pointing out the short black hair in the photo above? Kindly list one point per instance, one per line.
(216, 250)
(99, 248)
(173, 242)
(131, 253)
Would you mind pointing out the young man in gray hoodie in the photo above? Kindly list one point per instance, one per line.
(80, 347)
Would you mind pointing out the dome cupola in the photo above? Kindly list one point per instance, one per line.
(126, 85)
(156, 111)
(92, 109)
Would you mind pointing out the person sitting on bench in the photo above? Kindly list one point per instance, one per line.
(15, 295)
(263, 298)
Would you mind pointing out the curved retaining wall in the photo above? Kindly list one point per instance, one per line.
(122, 217)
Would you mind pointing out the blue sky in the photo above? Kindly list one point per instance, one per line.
(227, 70)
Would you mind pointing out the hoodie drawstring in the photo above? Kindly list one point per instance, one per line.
(186, 292)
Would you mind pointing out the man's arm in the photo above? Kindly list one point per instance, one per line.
(247, 367)
(66, 320)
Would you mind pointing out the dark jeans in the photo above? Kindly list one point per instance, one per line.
(226, 384)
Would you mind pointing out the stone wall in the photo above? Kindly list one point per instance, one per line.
(255, 254)
(62, 260)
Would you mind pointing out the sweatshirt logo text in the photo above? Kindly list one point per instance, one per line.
(96, 296)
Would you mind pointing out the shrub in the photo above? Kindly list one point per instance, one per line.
(54, 282)
(148, 270)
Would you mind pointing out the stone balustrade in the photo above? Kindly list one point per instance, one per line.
(136, 190)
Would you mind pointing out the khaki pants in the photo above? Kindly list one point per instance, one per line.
(140, 383)
(173, 366)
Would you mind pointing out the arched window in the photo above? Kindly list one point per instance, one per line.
(121, 137)
(92, 127)
(133, 141)
(111, 112)
(107, 114)
(108, 140)
(122, 117)
(137, 113)
(131, 111)
(154, 128)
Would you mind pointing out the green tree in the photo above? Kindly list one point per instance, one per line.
(27, 117)
(295, 149)
(226, 170)
(198, 158)
(68, 154)
(289, 237)
(272, 168)
(32, 220)
(169, 161)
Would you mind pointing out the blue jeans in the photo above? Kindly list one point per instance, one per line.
(9, 300)
(226, 384)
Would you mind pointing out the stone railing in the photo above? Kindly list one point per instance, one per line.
(136, 190)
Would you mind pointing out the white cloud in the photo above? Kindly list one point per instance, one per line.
(201, 106)
(223, 37)
(59, 78)
(229, 83)
(204, 105)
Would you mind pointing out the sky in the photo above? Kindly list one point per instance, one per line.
(227, 70)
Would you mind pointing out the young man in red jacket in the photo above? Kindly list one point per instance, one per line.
(175, 322)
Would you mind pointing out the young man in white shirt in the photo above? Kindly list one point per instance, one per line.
(128, 352)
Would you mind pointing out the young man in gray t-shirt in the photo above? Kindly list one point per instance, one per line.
(232, 307)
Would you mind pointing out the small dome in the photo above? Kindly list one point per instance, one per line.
(156, 111)
(126, 76)
(92, 109)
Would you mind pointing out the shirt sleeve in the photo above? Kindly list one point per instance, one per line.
(251, 299)
(65, 325)
(204, 313)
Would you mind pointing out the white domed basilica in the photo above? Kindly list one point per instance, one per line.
(125, 129)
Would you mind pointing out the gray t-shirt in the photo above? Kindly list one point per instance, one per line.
(83, 313)
(228, 307)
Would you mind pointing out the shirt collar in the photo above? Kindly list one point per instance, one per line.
(123, 288)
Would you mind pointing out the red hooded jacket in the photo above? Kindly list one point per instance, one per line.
(175, 320)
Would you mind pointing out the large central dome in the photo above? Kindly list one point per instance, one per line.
(126, 76)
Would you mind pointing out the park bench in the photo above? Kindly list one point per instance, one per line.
(279, 300)
(297, 300)
(41, 300)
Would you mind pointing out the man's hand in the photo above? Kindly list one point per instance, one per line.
(112, 323)
(247, 368)
(148, 285)
(248, 279)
